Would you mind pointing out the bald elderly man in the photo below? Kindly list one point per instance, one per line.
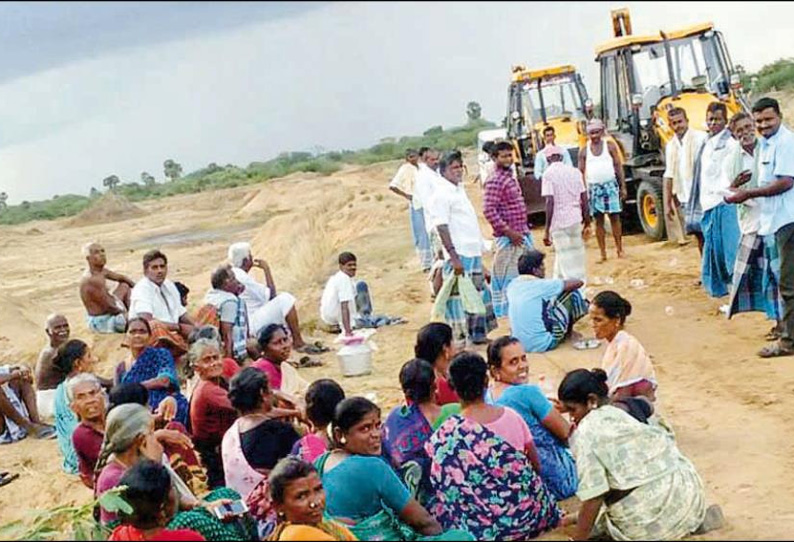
(47, 376)
(107, 311)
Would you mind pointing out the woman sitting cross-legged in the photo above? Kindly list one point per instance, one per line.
(299, 498)
(408, 427)
(634, 484)
(482, 470)
(321, 398)
(362, 491)
(129, 439)
(509, 368)
(254, 443)
(154, 503)
(154, 368)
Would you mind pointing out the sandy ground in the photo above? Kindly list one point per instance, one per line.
(730, 409)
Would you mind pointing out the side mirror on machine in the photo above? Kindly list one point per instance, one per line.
(700, 82)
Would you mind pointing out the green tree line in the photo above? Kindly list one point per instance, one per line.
(214, 177)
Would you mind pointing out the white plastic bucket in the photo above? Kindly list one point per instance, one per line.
(355, 359)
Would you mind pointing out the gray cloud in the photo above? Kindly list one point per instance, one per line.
(340, 75)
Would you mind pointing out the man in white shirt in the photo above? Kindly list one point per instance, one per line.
(680, 155)
(263, 304)
(427, 180)
(720, 224)
(346, 303)
(453, 216)
(156, 299)
(754, 282)
(403, 185)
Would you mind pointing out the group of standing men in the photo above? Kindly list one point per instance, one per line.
(733, 191)
(728, 188)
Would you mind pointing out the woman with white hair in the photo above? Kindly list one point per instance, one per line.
(211, 412)
(266, 306)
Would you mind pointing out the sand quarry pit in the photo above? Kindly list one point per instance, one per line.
(731, 411)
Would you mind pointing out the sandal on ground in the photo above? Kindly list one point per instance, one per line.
(587, 344)
(44, 432)
(775, 350)
(8, 478)
(305, 362)
(311, 349)
(774, 334)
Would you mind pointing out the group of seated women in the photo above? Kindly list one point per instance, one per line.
(475, 451)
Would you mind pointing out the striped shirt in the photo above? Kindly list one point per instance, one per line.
(503, 203)
(565, 185)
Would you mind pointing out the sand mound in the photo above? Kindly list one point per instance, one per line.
(109, 208)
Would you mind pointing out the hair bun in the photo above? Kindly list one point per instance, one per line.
(600, 375)
(627, 306)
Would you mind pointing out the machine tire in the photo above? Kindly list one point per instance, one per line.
(650, 209)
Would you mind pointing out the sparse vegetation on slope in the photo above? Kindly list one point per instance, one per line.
(214, 177)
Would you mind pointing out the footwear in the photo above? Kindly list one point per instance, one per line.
(44, 432)
(773, 334)
(587, 344)
(775, 350)
(713, 520)
(305, 362)
(312, 349)
(8, 478)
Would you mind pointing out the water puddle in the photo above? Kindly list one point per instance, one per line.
(193, 236)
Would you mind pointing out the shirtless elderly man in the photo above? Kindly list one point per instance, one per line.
(107, 312)
(47, 375)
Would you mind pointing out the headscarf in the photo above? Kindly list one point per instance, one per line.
(124, 424)
(551, 150)
(594, 125)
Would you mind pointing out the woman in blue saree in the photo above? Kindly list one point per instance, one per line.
(155, 369)
(507, 362)
(408, 427)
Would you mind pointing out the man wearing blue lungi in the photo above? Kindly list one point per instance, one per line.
(720, 224)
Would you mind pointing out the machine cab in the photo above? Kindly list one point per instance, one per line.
(643, 76)
(537, 98)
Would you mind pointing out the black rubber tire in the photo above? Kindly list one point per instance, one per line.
(652, 189)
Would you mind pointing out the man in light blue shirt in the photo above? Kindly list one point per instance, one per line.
(775, 182)
(542, 311)
(540, 157)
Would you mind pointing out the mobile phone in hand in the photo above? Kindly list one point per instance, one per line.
(230, 510)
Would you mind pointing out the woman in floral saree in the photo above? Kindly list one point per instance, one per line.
(482, 473)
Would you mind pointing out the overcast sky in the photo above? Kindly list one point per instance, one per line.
(93, 89)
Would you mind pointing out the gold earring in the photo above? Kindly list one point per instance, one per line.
(343, 440)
